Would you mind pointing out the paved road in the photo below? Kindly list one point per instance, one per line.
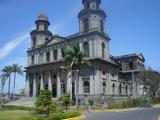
(143, 114)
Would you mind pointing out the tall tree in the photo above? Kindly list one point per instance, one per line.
(74, 57)
(16, 69)
(151, 80)
(3, 79)
(8, 71)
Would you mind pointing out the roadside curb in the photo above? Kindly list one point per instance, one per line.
(106, 110)
(117, 110)
(76, 118)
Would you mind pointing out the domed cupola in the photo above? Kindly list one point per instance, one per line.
(42, 22)
(41, 34)
(91, 17)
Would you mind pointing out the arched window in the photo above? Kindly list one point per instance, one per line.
(48, 56)
(104, 87)
(86, 24)
(113, 89)
(103, 50)
(55, 52)
(131, 90)
(32, 59)
(46, 87)
(86, 49)
(102, 26)
(144, 90)
(120, 66)
(88, 5)
(86, 87)
(120, 89)
(34, 41)
(131, 66)
(126, 88)
(62, 51)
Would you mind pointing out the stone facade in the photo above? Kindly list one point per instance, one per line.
(108, 75)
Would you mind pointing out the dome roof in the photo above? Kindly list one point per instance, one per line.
(43, 17)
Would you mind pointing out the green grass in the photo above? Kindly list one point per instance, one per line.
(13, 114)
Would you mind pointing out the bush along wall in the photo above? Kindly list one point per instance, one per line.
(54, 116)
(14, 107)
(143, 102)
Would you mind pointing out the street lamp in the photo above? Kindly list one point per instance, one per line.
(77, 84)
(77, 89)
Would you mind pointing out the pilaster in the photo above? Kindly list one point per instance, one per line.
(41, 83)
(49, 82)
(34, 86)
(58, 84)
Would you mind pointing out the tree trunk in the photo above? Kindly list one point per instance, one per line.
(9, 88)
(14, 85)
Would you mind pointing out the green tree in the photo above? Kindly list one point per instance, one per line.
(151, 80)
(3, 79)
(16, 69)
(43, 104)
(8, 71)
(65, 101)
(74, 57)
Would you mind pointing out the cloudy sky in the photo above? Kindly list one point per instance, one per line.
(133, 26)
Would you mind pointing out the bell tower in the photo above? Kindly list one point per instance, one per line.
(91, 17)
(41, 34)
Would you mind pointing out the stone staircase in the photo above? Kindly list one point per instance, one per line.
(23, 101)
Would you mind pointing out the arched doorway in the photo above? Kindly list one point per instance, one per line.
(54, 90)
(120, 89)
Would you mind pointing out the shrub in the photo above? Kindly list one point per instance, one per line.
(63, 115)
(65, 101)
(44, 103)
(54, 116)
(156, 100)
(14, 107)
(33, 118)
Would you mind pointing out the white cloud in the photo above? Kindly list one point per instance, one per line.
(66, 20)
(11, 45)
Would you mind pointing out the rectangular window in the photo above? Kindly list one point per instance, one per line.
(62, 51)
(55, 54)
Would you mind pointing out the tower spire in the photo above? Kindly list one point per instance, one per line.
(91, 17)
(91, 4)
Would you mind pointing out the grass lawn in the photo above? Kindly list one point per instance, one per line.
(13, 114)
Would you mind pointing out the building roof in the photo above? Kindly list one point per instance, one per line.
(139, 55)
(43, 17)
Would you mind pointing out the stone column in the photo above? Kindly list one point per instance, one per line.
(69, 83)
(42, 85)
(95, 48)
(34, 86)
(90, 49)
(49, 82)
(91, 83)
(81, 46)
(133, 79)
(58, 85)
(59, 54)
(108, 82)
(27, 88)
(29, 60)
(44, 57)
(51, 54)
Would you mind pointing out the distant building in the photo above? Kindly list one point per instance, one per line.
(109, 75)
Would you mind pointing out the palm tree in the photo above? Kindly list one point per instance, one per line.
(16, 69)
(74, 57)
(3, 79)
(8, 71)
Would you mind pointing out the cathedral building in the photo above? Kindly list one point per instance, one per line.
(108, 75)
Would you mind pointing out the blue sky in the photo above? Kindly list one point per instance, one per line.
(133, 26)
